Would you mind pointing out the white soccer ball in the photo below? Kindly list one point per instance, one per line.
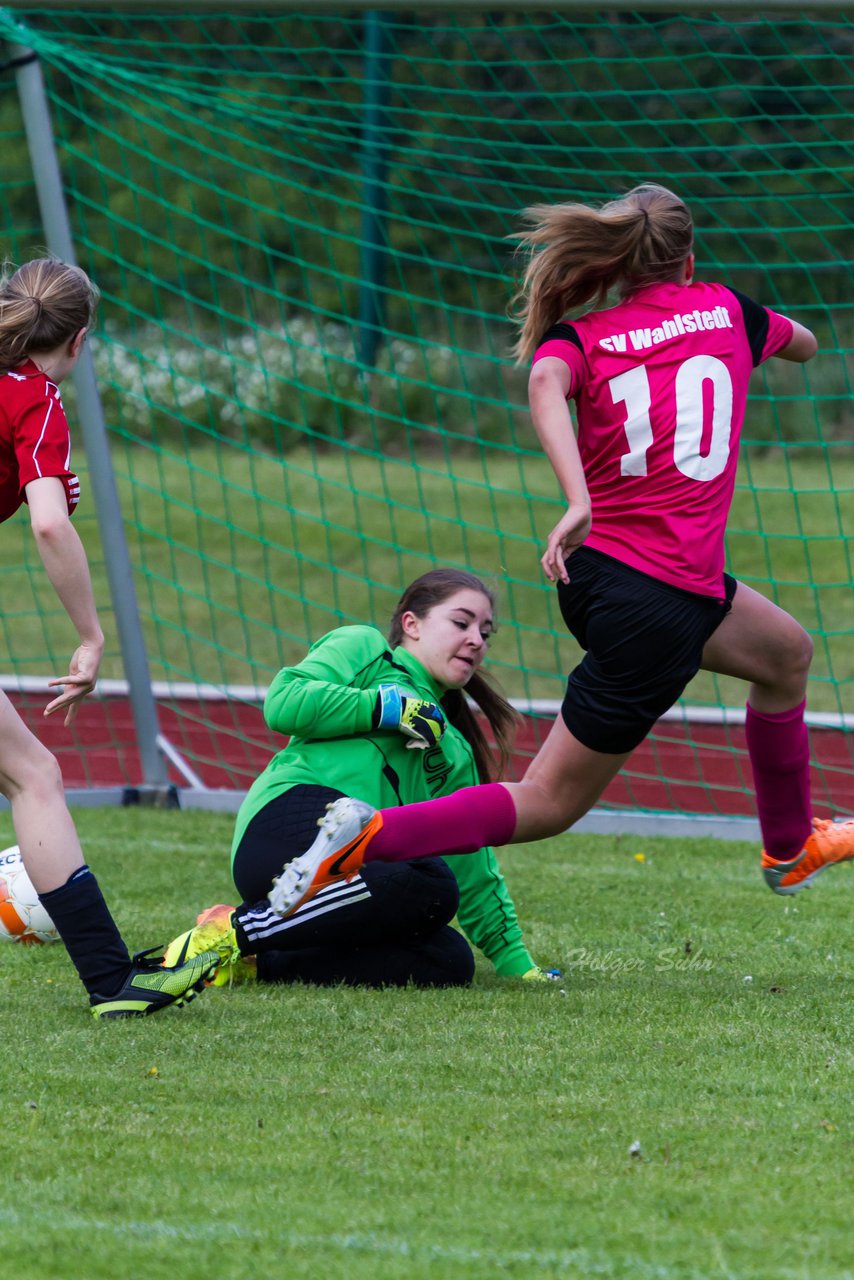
(22, 916)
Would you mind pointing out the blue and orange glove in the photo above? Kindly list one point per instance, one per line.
(542, 975)
(422, 722)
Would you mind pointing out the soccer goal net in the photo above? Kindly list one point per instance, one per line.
(299, 224)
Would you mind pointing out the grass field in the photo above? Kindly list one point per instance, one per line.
(679, 1110)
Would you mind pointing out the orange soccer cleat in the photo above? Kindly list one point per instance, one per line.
(829, 843)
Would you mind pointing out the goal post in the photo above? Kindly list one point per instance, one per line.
(299, 222)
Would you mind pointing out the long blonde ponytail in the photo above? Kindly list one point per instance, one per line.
(577, 254)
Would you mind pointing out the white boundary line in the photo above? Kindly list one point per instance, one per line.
(572, 1263)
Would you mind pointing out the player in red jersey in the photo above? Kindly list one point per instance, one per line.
(46, 309)
(659, 381)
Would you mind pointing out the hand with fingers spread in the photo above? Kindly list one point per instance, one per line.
(79, 683)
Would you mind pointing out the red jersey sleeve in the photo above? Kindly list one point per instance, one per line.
(41, 439)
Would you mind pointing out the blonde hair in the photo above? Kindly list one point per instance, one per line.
(577, 254)
(42, 304)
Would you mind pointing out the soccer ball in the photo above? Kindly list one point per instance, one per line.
(22, 916)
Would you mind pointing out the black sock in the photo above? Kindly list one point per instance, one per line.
(84, 923)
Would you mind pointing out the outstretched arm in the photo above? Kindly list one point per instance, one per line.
(64, 558)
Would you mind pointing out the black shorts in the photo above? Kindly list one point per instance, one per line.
(644, 642)
(284, 828)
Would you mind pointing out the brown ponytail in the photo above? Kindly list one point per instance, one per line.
(577, 254)
(42, 305)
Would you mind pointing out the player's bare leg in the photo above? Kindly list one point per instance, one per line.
(31, 780)
(760, 643)
(562, 782)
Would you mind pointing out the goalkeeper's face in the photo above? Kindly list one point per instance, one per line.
(450, 640)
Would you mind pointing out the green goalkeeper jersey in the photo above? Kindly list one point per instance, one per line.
(325, 705)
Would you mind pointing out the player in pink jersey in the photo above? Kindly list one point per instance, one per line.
(659, 381)
(46, 309)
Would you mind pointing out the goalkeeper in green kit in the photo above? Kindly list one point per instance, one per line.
(389, 721)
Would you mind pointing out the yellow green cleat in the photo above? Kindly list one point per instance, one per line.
(149, 987)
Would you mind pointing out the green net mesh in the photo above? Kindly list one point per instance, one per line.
(299, 226)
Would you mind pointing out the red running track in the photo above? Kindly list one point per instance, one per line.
(681, 768)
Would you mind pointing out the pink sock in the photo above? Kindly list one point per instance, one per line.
(459, 823)
(778, 746)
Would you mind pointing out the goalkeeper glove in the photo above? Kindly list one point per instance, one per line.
(421, 721)
(542, 975)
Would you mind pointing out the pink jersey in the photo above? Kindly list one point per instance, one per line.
(660, 386)
(34, 437)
